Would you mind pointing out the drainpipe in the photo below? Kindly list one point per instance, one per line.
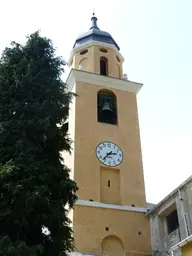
(184, 215)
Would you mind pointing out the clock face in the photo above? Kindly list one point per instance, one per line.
(109, 153)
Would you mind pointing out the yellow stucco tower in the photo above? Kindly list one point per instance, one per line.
(109, 216)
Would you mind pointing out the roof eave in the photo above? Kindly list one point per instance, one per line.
(170, 194)
(87, 36)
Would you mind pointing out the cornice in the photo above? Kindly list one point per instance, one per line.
(110, 206)
(76, 75)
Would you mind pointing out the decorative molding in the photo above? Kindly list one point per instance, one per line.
(76, 75)
(110, 206)
(94, 43)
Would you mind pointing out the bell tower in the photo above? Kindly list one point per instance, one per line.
(106, 162)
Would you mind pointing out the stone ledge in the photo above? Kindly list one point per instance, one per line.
(110, 206)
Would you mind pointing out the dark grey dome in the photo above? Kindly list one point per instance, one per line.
(95, 34)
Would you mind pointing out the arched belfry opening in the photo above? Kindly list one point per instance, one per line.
(107, 107)
(104, 66)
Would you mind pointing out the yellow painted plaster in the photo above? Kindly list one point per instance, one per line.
(90, 223)
(187, 250)
(89, 133)
(90, 61)
(90, 229)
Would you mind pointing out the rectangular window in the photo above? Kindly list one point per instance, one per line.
(172, 221)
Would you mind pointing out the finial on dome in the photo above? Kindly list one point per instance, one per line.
(94, 21)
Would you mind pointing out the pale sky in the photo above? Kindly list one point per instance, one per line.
(155, 37)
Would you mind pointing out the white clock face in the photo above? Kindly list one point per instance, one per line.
(109, 153)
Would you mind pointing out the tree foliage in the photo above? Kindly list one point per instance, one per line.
(35, 185)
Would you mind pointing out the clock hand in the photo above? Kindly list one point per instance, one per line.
(107, 155)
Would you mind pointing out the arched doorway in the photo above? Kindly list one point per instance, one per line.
(112, 246)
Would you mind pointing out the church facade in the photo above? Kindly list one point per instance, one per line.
(109, 217)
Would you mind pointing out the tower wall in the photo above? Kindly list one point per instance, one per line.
(90, 224)
(89, 133)
(88, 59)
(109, 218)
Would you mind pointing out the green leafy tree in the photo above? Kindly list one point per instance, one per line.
(35, 186)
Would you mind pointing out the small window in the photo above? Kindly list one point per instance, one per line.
(106, 107)
(83, 52)
(108, 183)
(103, 50)
(172, 221)
(103, 66)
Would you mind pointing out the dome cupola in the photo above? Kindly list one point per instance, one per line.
(97, 52)
(95, 34)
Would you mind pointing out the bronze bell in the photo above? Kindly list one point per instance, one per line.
(106, 107)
